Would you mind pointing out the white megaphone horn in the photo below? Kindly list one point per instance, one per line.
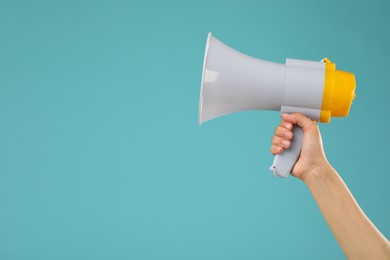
(233, 82)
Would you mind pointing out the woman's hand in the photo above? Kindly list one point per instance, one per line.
(312, 155)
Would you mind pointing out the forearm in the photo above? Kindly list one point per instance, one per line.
(357, 236)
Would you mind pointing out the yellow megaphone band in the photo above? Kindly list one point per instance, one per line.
(339, 92)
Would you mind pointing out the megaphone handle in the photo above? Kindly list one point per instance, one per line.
(284, 162)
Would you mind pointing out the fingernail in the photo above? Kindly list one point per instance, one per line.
(285, 143)
(289, 126)
(288, 134)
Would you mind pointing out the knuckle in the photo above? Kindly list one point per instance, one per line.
(274, 149)
(278, 129)
(276, 140)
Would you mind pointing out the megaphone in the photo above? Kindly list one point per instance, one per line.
(233, 82)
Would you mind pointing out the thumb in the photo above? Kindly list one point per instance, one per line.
(298, 119)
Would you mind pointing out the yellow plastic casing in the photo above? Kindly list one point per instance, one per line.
(339, 92)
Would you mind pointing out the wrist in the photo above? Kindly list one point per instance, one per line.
(318, 174)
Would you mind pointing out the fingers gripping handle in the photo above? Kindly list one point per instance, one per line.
(284, 162)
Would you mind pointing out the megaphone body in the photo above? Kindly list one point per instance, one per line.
(233, 82)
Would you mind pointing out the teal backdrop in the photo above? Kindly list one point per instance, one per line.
(101, 154)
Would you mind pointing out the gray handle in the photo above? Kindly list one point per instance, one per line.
(284, 162)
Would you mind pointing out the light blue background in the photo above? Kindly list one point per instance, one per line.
(101, 156)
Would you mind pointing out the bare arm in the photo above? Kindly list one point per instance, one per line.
(356, 234)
